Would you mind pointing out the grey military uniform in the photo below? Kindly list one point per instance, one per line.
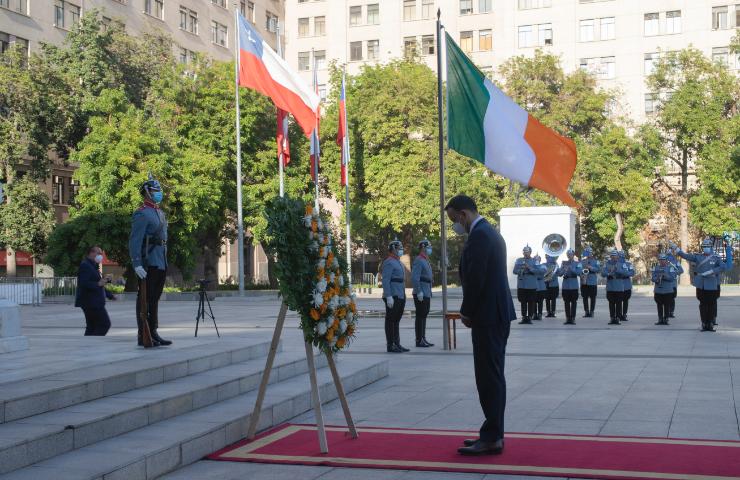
(147, 243)
(706, 263)
(421, 276)
(393, 278)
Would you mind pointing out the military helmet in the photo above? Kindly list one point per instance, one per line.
(527, 248)
(425, 243)
(571, 252)
(707, 243)
(613, 253)
(395, 245)
(151, 185)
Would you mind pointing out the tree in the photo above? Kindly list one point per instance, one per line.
(700, 98)
(26, 220)
(714, 207)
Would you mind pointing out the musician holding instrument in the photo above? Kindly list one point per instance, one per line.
(614, 273)
(551, 284)
(570, 270)
(629, 272)
(589, 281)
(706, 269)
(541, 288)
(664, 277)
(526, 285)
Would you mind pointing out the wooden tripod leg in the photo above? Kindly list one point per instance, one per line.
(255, 417)
(321, 430)
(341, 395)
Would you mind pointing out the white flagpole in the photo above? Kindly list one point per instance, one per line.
(239, 217)
(280, 157)
(346, 159)
(317, 151)
(442, 213)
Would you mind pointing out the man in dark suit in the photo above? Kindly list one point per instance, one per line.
(91, 294)
(487, 309)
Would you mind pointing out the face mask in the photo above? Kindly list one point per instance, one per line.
(157, 196)
(707, 250)
(429, 250)
(458, 228)
(98, 259)
(400, 252)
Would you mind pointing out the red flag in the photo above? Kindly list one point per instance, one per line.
(315, 148)
(283, 144)
(342, 135)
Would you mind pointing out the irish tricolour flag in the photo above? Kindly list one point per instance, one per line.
(486, 125)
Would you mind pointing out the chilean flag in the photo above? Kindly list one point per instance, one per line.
(261, 69)
(342, 135)
(283, 145)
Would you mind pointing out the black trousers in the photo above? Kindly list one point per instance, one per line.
(489, 352)
(540, 300)
(154, 286)
(663, 301)
(570, 299)
(551, 295)
(420, 323)
(393, 320)
(528, 299)
(707, 304)
(588, 292)
(615, 300)
(97, 322)
(626, 301)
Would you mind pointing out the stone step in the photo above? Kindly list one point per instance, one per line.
(154, 450)
(30, 440)
(40, 394)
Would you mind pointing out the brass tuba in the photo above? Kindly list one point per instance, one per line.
(553, 245)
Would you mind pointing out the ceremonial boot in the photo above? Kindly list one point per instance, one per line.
(525, 321)
(427, 343)
(393, 348)
(570, 321)
(421, 344)
(614, 321)
(160, 340)
(660, 321)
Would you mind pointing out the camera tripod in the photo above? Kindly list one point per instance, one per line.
(202, 302)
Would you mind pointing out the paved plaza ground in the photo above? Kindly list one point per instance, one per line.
(636, 379)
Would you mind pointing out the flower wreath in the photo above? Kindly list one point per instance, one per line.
(311, 274)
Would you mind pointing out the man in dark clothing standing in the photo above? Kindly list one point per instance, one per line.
(487, 309)
(91, 294)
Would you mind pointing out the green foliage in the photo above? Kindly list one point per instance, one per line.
(27, 219)
(70, 241)
(714, 207)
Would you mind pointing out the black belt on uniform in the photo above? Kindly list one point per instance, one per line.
(397, 280)
(425, 280)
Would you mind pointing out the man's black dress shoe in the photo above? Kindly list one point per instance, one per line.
(160, 340)
(469, 442)
(402, 348)
(427, 343)
(393, 348)
(483, 448)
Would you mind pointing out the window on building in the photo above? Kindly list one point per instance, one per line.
(304, 61)
(66, 15)
(427, 45)
(544, 34)
(355, 15)
(373, 49)
(74, 14)
(183, 55)
(247, 9)
(651, 102)
(719, 18)
(608, 68)
(526, 38)
(485, 6)
(19, 6)
(59, 13)
(427, 9)
(410, 48)
(586, 30)
(485, 40)
(721, 55)
(322, 92)
(319, 26)
(188, 20)
(303, 27)
(373, 14)
(466, 41)
(57, 190)
(651, 24)
(355, 51)
(607, 28)
(466, 7)
(219, 33)
(737, 15)
(220, 3)
(4, 42)
(271, 22)
(409, 10)
(649, 63)
(673, 22)
(154, 8)
(528, 4)
(319, 56)
(74, 189)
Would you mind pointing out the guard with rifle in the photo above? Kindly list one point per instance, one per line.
(148, 250)
(551, 284)
(526, 285)
(570, 270)
(589, 281)
(664, 277)
(628, 272)
(614, 273)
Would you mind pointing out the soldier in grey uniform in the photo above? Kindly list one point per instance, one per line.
(589, 281)
(551, 284)
(526, 284)
(664, 277)
(707, 267)
(629, 272)
(394, 296)
(671, 258)
(541, 288)
(570, 270)
(147, 247)
(421, 279)
(614, 272)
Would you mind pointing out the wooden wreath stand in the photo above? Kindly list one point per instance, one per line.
(315, 397)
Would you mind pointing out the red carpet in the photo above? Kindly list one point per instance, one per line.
(581, 456)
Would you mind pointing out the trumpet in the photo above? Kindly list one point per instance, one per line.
(551, 268)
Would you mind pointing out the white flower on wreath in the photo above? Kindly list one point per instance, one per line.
(350, 317)
(307, 221)
(340, 280)
(332, 277)
(333, 302)
(321, 328)
(326, 252)
(335, 262)
(320, 224)
(342, 326)
(328, 238)
(318, 298)
(321, 286)
(321, 263)
(313, 246)
(320, 237)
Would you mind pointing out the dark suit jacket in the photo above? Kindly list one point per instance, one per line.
(89, 293)
(485, 284)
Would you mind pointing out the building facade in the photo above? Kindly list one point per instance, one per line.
(617, 40)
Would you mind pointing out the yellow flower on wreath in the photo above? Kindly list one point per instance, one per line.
(309, 210)
(341, 342)
(315, 314)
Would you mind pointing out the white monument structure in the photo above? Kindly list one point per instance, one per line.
(11, 339)
(529, 226)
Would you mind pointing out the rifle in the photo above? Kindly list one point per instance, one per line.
(146, 334)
